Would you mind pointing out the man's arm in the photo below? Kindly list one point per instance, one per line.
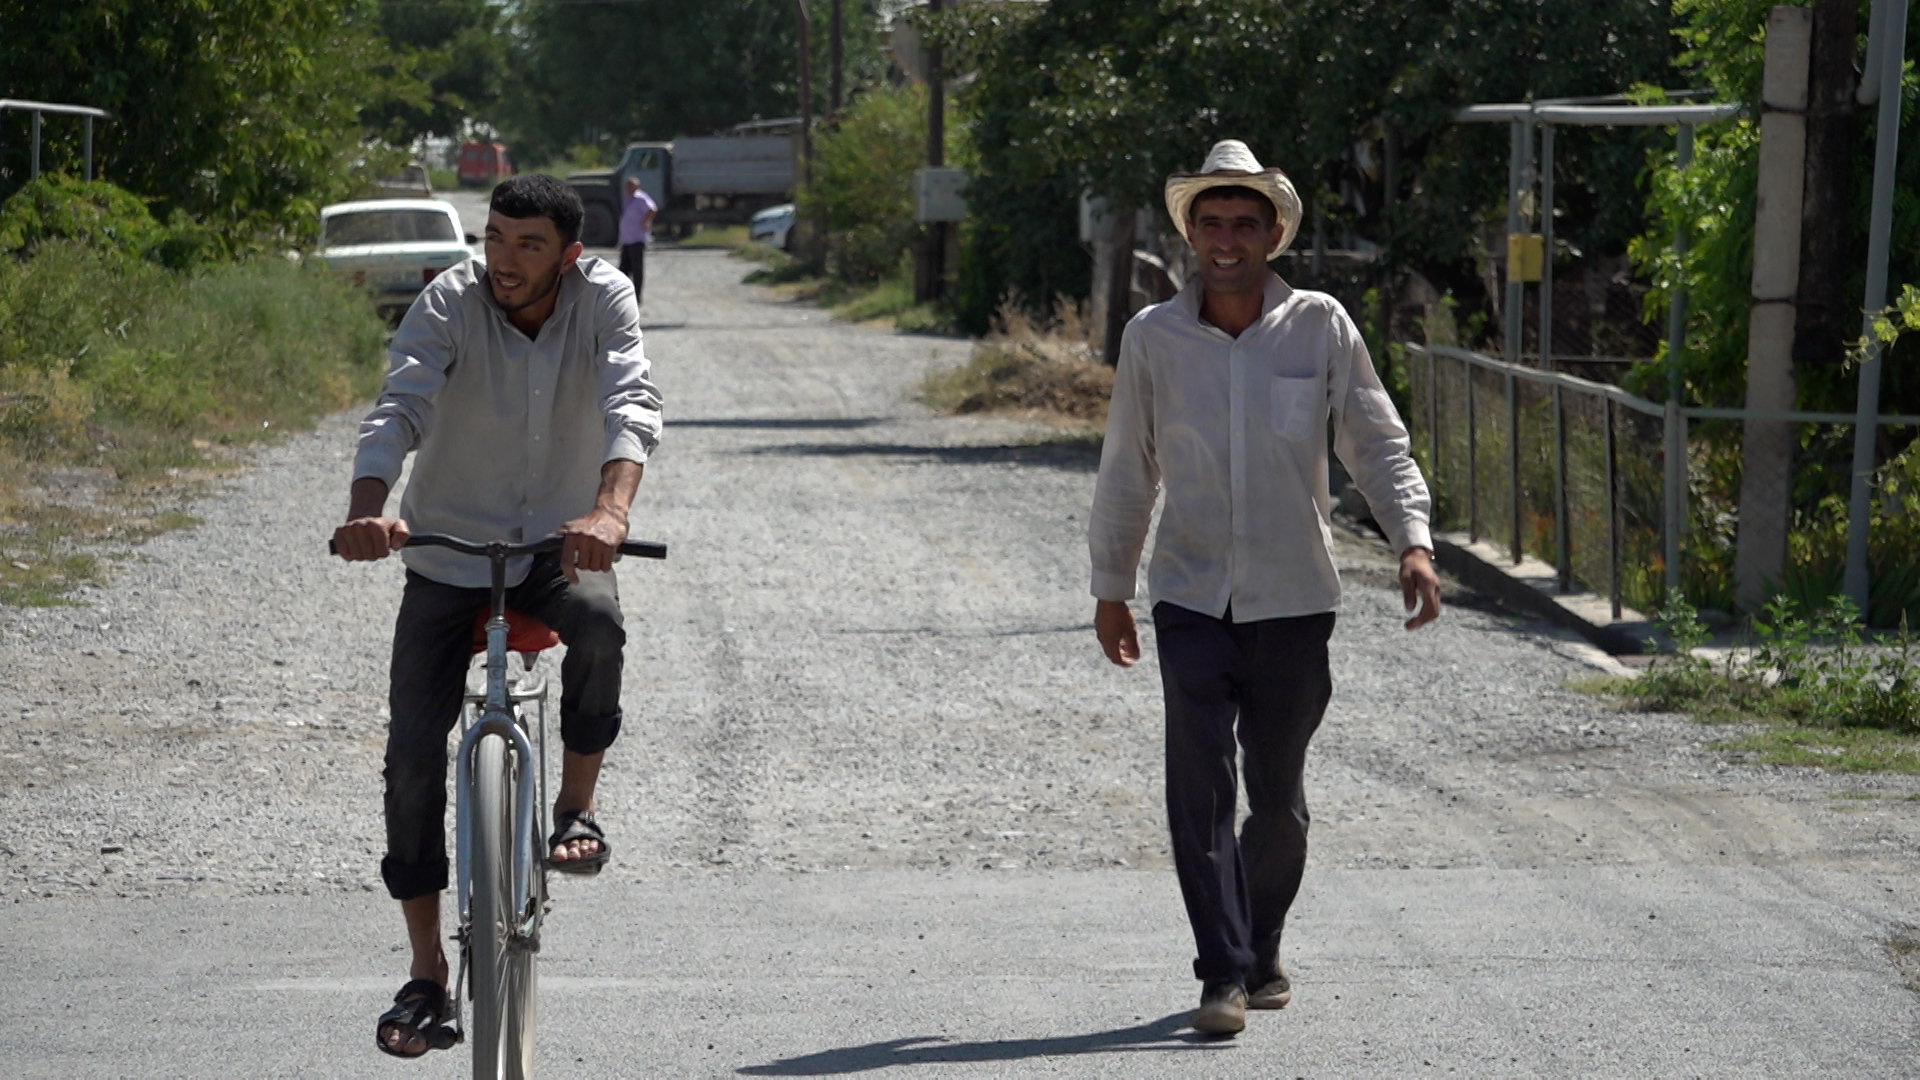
(368, 534)
(593, 542)
(1123, 499)
(1373, 444)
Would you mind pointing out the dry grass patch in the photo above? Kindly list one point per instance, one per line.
(1029, 365)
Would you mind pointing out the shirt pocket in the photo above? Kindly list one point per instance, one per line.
(1295, 403)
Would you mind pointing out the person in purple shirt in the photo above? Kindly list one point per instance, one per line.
(636, 232)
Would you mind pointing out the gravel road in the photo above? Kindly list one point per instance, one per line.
(871, 649)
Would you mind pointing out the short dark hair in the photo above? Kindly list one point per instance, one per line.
(539, 195)
(1234, 191)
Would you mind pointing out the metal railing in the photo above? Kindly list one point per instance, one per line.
(38, 108)
(1585, 475)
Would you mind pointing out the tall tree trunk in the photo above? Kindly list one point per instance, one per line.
(1825, 320)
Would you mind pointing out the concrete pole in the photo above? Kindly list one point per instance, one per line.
(1890, 56)
(1766, 472)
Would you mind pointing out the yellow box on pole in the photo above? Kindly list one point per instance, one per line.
(1524, 254)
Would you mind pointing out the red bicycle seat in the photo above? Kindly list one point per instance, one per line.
(525, 634)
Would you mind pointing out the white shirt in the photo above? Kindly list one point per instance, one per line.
(510, 433)
(1235, 430)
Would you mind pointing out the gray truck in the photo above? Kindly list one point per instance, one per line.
(700, 180)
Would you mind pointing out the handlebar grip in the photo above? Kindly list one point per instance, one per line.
(645, 549)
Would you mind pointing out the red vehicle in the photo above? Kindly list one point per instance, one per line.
(482, 163)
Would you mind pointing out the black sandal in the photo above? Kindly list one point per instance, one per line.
(417, 1009)
(578, 825)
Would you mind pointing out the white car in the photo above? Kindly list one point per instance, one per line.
(773, 227)
(393, 247)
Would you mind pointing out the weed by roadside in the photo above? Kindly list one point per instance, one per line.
(1827, 695)
(888, 301)
(1028, 365)
(121, 382)
(730, 238)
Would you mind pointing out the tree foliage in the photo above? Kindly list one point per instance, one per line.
(654, 69)
(1713, 199)
(454, 52)
(242, 113)
(1111, 98)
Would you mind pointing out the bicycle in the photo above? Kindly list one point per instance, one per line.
(500, 816)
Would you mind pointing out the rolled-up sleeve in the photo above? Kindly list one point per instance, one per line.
(627, 393)
(1129, 480)
(417, 364)
(1372, 442)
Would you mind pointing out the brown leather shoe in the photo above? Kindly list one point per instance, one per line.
(1274, 993)
(1222, 1011)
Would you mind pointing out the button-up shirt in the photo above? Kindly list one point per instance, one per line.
(633, 218)
(509, 433)
(1235, 430)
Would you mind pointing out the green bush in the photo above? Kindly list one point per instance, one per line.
(104, 217)
(115, 361)
(861, 188)
(96, 213)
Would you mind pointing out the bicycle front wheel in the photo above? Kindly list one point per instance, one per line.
(503, 981)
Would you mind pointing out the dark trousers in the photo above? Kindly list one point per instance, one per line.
(633, 263)
(1272, 678)
(432, 650)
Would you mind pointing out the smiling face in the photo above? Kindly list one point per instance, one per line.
(525, 260)
(1231, 235)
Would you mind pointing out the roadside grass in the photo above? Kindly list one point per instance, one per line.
(1029, 366)
(887, 302)
(1817, 691)
(443, 180)
(123, 385)
(730, 238)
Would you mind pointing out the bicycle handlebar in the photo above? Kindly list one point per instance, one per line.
(645, 549)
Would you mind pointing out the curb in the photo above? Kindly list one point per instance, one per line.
(1532, 587)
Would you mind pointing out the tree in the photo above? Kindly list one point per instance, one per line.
(241, 113)
(654, 69)
(458, 48)
(1084, 94)
(1713, 199)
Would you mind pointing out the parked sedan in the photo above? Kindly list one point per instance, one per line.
(773, 227)
(393, 247)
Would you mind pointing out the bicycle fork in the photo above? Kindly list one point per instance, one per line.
(525, 797)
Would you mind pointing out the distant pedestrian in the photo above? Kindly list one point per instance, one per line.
(636, 232)
(1222, 399)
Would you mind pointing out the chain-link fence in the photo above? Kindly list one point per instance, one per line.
(1574, 473)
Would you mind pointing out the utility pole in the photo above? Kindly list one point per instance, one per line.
(806, 87)
(930, 281)
(806, 240)
(836, 48)
(1766, 450)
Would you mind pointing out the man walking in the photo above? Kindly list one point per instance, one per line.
(636, 232)
(1222, 398)
(520, 386)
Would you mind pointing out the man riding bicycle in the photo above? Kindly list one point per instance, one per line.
(520, 385)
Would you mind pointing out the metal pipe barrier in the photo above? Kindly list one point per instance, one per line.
(1577, 472)
(37, 108)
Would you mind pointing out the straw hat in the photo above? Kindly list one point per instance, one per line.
(1231, 164)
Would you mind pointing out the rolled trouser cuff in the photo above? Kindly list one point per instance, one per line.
(585, 734)
(406, 881)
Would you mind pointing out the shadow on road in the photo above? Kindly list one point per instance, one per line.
(1075, 457)
(1166, 1033)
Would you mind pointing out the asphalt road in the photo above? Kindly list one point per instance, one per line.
(881, 808)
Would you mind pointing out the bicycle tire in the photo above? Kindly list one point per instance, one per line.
(503, 978)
